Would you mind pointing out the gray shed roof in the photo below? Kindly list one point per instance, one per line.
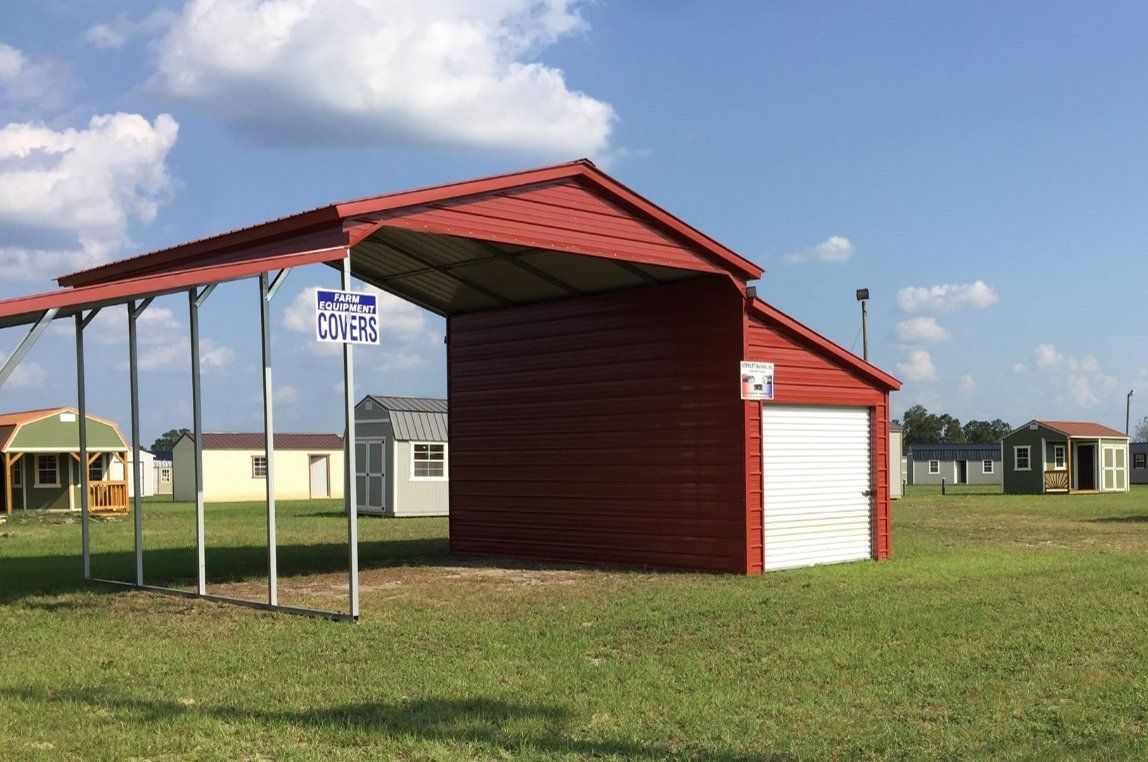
(421, 419)
(963, 451)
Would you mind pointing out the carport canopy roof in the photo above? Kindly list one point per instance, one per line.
(525, 237)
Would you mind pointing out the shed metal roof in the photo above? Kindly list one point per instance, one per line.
(11, 422)
(956, 451)
(255, 441)
(1082, 429)
(541, 234)
(415, 419)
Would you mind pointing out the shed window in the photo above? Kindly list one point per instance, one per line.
(1058, 461)
(987, 466)
(429, 461)
(47, 471)
(934, 466)
(258, 466)
(96, 470)
(1022, 458)
(18, 474)
(1139, 460)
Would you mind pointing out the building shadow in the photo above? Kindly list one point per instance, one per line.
(503, 727)
(1141, 519)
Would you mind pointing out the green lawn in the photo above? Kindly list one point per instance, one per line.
(1004, 626)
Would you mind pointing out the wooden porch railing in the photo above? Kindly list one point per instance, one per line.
(108, 497)
(1056, 481)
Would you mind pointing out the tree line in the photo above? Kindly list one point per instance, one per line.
(922, 427)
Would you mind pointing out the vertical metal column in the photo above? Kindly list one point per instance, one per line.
(193, 302)
(133, 373)
(349, 489)
(82, 411)
(269, 443)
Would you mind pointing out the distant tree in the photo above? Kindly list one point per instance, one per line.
(1140, 433)
(986, 431)
(167, 440)
(951, 431)
(920, 426)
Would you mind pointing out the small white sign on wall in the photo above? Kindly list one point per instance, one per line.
(756, 380)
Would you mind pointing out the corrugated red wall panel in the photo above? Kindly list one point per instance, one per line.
(601, 429)
(806, 376)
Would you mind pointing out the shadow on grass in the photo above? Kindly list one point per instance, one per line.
(503, 727)
(1142, 519)
(175, 567)
(28, 576)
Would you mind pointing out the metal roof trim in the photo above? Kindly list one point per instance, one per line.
(768, 312)
(28, 308)
(347, 211)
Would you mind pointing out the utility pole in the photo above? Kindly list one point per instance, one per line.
(1128, 413)
(863, 297)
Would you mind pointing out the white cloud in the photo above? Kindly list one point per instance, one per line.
(114, 34)
(918, 366)
(176, 357)
(1047, 357)
(1087, 383)
(11, 63)
(42, 84)
(947, 297)
(68, 198)
(835, 248)
(26, 375)
(1018, 367)
(968, 384)
(287, 394)
(921, 330)
(454, 73)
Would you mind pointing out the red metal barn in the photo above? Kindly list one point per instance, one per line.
(594, 343)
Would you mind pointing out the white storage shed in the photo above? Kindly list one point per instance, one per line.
(402, 459)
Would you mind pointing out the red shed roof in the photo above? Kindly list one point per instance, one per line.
(493, 242)
(830, 348)
(283, 441)
(358, 218)
(1082, 429)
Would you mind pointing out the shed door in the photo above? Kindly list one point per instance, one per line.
(320, 466)
(370, 483)
(817, 479)
(1115, 469)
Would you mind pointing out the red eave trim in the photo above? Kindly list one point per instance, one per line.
(31, 307)
(836, 350)
(582, 170)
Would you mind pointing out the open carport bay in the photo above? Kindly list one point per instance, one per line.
(1003, 625)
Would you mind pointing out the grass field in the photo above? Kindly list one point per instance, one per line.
(1004, 626)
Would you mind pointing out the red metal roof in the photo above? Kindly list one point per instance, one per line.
(25, 309)
(839, 353)
(255, 441)
(1082, 429)
(357, 219)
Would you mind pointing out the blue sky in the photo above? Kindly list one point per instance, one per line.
(979, 167)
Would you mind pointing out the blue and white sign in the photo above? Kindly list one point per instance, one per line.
(346, 317)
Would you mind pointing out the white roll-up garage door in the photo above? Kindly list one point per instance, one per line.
(816, 485)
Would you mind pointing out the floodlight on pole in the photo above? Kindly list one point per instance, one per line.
(863, 297)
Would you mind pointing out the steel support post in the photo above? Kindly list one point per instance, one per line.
(349, 487)
(269, 442)
(134, 312)
(194, 299)
(82, 411)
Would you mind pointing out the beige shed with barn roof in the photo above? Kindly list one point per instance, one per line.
(307, 466)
